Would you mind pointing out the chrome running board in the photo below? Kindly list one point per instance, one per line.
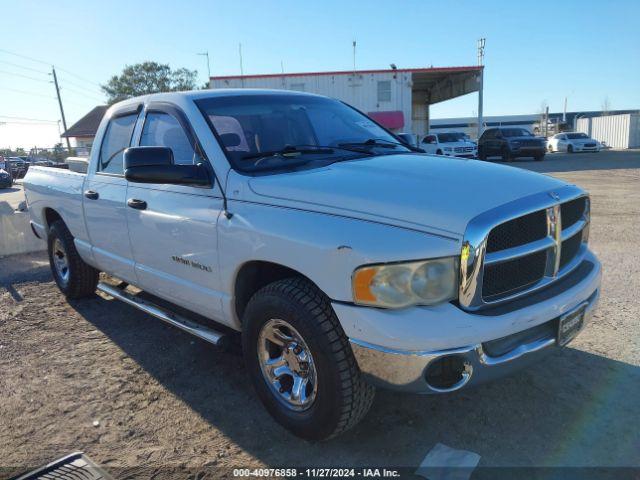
(163, 314)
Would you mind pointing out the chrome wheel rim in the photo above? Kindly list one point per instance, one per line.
(60, 261)
(287, 365)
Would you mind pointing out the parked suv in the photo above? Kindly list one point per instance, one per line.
(510, 143)
(450, 144)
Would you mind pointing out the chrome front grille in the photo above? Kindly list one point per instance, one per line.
(523, 246)
(463, 149)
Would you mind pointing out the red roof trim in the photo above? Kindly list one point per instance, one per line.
(362, 72)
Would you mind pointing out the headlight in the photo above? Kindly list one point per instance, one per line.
(398, 285)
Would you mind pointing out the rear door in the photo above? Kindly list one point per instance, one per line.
(105, 192)
(173, 237)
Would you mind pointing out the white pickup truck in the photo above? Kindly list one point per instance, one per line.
(342, 258)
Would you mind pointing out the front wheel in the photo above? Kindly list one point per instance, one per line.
(539, 158)
(300, 361)
(570, 149)
(506, 155)
(74, 277)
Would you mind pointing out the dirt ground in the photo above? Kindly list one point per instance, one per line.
(146, 400)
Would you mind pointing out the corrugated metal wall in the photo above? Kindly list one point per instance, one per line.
(617, 131)
(360, 90)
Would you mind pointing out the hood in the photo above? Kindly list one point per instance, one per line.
(423, 192)
(521, 138)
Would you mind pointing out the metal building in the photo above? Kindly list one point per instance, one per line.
(399, 98)
(617, 131)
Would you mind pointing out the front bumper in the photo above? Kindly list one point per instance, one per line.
(529, 333)
(528, 151)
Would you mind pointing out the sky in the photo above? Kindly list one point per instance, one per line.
(536, 53)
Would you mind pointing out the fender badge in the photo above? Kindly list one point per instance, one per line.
(554, 195)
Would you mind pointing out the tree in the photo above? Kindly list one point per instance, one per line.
(148, 77)
(606, 105)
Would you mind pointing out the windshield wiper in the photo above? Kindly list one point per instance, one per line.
(293, 151)
(289, 151)
(384, 143)
(375, 142)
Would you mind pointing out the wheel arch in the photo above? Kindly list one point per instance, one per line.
(256, 274)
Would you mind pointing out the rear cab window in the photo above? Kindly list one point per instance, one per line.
(117, 139)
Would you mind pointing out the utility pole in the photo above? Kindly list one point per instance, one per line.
(241, 66)
(564, 112)
(354, 59)
(64, 121)
(481, 43)
(206, 54)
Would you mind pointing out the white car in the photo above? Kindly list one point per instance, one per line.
(571, 142)
(450, 144)
(342, 262)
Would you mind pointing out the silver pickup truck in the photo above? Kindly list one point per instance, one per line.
(344, 258)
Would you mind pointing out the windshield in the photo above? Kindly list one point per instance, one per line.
(575, 136)
(515, 132)
(451, 137)
(248, 125)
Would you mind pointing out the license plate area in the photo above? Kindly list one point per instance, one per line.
(570, 324)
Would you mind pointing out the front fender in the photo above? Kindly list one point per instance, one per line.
(325, 248)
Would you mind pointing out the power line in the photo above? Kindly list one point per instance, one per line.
(25, 68)
(27, 93)
(24, 76)
(19, 122)
(24, 56)
(49, 63)
(40, 120)
(78, 92)
(77, 85)
(78, 76)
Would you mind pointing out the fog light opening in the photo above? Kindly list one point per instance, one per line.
(449, 373)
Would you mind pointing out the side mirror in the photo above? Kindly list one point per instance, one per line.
(155, 165)
(230, 140)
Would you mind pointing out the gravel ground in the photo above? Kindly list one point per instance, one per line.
(98, 376)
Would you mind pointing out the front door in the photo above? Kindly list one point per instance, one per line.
(172, 228)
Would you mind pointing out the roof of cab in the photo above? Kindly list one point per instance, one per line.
(208, 93)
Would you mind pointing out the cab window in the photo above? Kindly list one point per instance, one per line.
(116, 139)
(164, 130)
(430, 139)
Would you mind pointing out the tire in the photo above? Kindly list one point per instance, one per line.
(438, 152)
(539, 158)
(339, 397)
(569, 148)
(73, 276)
(506, 155)
(481, 154)
(550, 148)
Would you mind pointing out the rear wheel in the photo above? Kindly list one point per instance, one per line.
(74, 277)
(550, 148)
(300, 361)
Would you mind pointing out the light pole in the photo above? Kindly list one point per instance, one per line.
(206, 54)
(481, 43)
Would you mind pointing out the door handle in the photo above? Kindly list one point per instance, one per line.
(91, 195)
(137, 204)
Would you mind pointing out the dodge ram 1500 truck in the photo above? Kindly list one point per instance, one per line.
(341, 257)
